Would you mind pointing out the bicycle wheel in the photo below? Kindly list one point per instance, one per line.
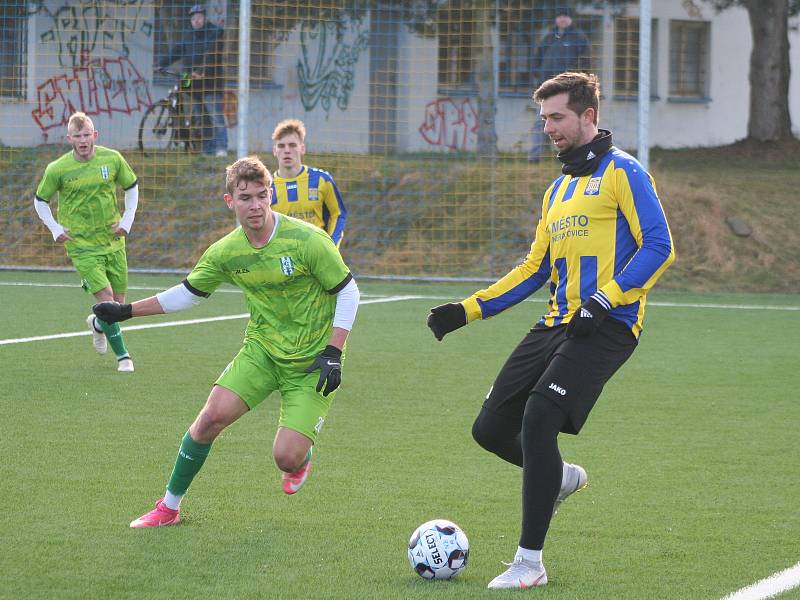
(156, 131)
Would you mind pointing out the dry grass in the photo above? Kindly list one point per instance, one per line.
(446, 215)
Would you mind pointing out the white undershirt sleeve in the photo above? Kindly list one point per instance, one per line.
(177, 298)
(346, 306)
(131, 203)
(46, 215)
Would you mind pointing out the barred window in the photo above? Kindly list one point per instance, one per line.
(517, 40)
(626, 56)
(13, 49)
(264, 28)
(689, 54)
(457, 48)
(171, 22)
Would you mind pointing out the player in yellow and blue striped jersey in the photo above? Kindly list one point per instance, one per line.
(600, 245)
(301, 191)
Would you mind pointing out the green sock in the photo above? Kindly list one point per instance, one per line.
(114, 336)
(191, 457)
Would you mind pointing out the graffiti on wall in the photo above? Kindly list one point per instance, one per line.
(326, 69)
(103, 86)
(451, 122)
(80, 28)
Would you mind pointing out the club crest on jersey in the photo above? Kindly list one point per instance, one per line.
(104, 172)
(286, 265)
(313, 194)
(593, 187)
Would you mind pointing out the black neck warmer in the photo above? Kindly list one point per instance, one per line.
(584, 160)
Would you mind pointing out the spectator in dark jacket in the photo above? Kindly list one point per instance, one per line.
(200, 50)
(563, 48)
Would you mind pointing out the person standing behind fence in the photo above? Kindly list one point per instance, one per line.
(564, 48)
(301, 191)
(600, 245)
(89, 225)
(201, 49)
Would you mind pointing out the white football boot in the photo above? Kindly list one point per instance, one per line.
(574, 478)
(521, 574)
(125, 365)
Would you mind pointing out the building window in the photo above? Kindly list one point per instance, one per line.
(517, 40)
(626, 56)
(523, 30)
(264, 37)
(13, 49)
(171, 24)
(457, 48)
(689, 51)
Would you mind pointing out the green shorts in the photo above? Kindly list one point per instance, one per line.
(253, 375)
(101, 271)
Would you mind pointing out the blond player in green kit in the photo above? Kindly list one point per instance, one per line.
(302, 301)
(89, 223)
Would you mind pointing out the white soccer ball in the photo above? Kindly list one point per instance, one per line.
(438, 549)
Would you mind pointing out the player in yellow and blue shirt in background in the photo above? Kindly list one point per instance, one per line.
(89, 224)
(601, 244)
(301, 191)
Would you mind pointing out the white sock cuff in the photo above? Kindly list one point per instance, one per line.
(529, 555)
(172, 501)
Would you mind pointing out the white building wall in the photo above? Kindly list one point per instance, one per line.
(101, 66)
(722, 119)
(115, 87)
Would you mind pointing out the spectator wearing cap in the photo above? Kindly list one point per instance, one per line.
(201, 51)
(563, 48)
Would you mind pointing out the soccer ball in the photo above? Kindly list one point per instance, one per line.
(438, 549)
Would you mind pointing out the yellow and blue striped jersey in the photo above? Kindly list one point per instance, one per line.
(311, 196)
(603, 231)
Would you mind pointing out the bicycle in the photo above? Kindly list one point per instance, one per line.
(172, 123)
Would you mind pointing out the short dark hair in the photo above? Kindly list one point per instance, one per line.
(582, 89)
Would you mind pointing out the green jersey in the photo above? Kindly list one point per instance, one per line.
(87, 198)
(289, 285)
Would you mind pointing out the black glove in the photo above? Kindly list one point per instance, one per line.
(589, 316)
(446, 318)
(329, 363)
(112, 312)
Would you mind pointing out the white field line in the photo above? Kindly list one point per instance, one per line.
(56, 336)
(769, 587)
(145, 288)
(710, 305)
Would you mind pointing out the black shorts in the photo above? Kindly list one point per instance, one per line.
(571, 372)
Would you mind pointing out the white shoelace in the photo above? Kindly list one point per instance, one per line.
(518, 569)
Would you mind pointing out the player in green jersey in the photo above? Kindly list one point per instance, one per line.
(302, 301)
(89, 223)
